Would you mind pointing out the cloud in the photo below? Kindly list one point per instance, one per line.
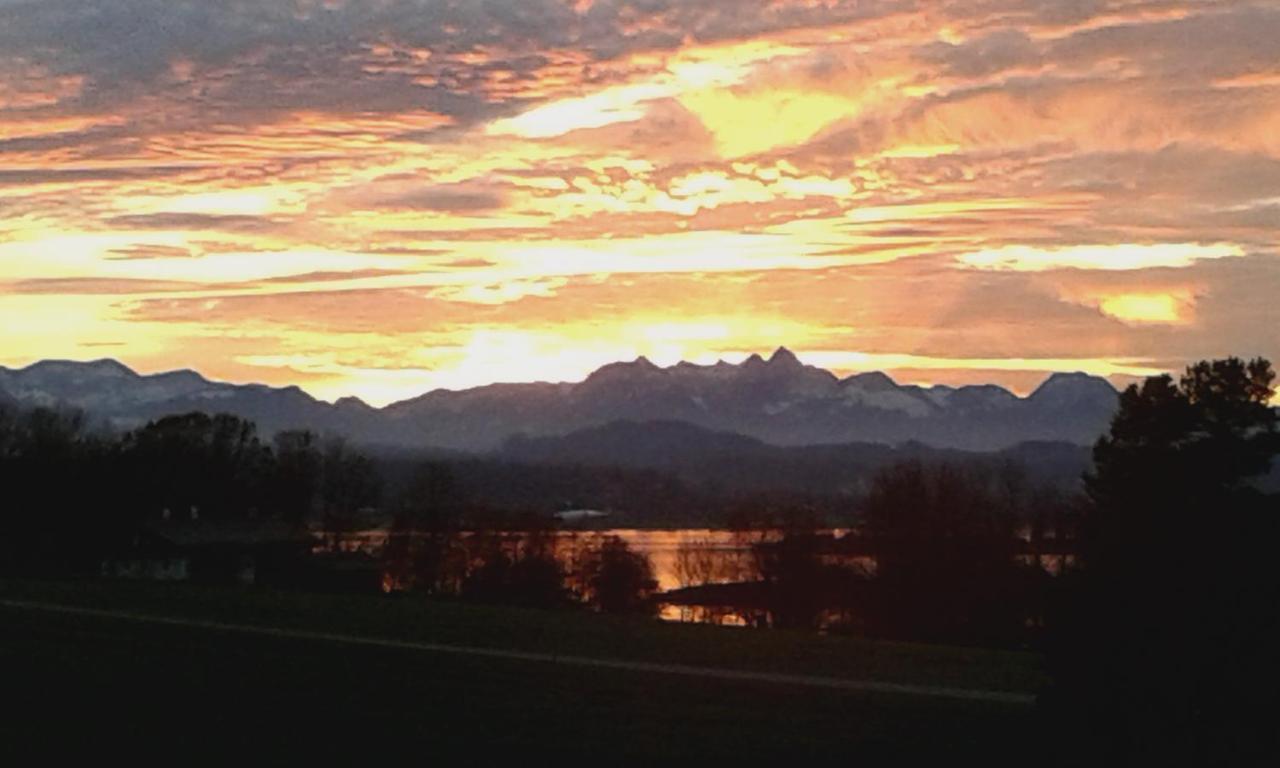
(409, 193)
(149, 251)
(470, 264)
(500, 293)
(623, 104)
(194, 221)
(39, 176)
(88, 286)
(331, 276)
(1226, 42)
(454, 57)
(1200, 174)
(1126, 256)
(986, 54)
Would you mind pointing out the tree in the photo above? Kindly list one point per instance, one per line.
(517, 569)
(620, 580)
(196, 464)
(299, 467)
(1169, 628)
(424, 529)
(62, 491)
(431, 499)
(1205, 436)
(349, 485)
(944, 538)
(797, 583)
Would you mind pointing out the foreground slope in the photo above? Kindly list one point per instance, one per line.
(185, 689)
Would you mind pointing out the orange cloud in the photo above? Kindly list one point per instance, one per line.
(954, 191)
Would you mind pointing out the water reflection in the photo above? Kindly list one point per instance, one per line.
(680, 557)
(703, 575)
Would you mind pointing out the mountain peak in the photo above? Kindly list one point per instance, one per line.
(103, 367)
(784, 357)
(184, 374)
(1065, 376)
(623, 370)
(109, 364)
(1063, 387)
(1076, 380)
(871, 381)
(353, 402)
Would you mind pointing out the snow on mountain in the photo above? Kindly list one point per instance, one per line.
(778, 400)
(110, 391)
(876, 390)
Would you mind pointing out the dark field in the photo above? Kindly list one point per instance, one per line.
(114, 688)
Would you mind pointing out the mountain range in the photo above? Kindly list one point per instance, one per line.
(779, 401)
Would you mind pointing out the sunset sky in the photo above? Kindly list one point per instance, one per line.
(380, 198)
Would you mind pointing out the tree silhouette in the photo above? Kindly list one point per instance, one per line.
(798, 583)
(424, 529)
(63, 496)
(296, 484)
(198, 465)
(1166, 636)
(943, 537)
(349, 484)
(517, 569)
(618, 579)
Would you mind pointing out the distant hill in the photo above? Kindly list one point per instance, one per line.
(778, 401)
(648, 474)
(725, 462)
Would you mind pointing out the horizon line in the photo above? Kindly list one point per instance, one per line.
(806, 359)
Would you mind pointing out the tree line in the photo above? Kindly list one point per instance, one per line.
(940, 552)
(70, 488)
(73, 492)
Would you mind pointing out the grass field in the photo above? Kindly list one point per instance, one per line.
(127, 685)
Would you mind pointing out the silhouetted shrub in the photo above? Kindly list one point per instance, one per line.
(619, 580)
(531, 577)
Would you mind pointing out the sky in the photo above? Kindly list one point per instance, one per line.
(382, 197)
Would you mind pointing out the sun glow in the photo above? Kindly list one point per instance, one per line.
(614, 105)
(564, 353)
(1161, 308)
(793, 117)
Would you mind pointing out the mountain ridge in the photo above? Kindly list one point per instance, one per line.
(778, 400)
(706, 458)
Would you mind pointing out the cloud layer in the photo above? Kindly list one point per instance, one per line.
(380, 197)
